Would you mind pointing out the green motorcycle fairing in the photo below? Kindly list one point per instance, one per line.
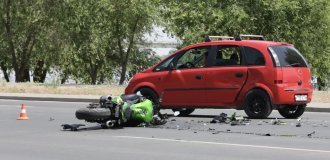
(140, 112)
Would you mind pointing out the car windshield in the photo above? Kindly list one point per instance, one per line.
(287, 56)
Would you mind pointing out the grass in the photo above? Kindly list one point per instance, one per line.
(318, 96)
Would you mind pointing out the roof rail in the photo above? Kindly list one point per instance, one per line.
(249, 37)
(219, 38)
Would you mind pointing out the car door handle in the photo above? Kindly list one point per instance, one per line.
(199, 77)
(239, 75)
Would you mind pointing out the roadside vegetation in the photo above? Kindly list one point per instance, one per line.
(61, 89)
(96, 42)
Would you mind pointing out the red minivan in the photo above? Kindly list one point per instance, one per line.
(255, 75)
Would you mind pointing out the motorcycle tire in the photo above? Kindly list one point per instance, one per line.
(93, 114)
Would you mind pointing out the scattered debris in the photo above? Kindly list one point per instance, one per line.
(233, 120)
(72, 127)
(211, 129)
(173, 119)
(222, 118)
(310, 134)
(234, 123)
(176, 113)
(298, 122)
(195, 132)
(51, 119)
(216, 132)
(233, 117)
(157, 120)
(267, 134)
(277, 122)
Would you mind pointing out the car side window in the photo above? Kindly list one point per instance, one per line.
(192, 58)
(228, 56)
(164, 66)
(254, 57)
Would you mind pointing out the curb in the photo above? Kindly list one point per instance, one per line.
(58, 99)
(316, 109)
(95, 100)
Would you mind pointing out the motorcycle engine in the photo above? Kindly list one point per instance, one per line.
(105, 101)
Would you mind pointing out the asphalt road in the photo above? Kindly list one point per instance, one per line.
(41, 137)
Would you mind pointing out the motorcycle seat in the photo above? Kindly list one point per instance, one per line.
(130, 97)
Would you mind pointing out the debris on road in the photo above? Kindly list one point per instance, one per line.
(232, 120)
(310, 134)
(267, 134)
(298, 122)
(222, 118)
(277, 122)
(72, 127)
(158, 120)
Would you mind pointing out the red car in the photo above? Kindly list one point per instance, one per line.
(255, 75)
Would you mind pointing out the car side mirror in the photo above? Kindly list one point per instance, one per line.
(171, 66)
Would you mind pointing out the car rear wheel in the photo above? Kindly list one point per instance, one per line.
(184, 111)
(292, 111)
(257, 104)
(152, 96)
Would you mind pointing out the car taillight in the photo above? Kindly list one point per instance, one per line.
(278, 81)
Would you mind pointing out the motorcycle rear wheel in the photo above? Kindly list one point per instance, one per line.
(93, 114)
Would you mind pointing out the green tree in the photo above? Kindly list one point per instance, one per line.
(141, 60)
(23, 24)
(104, 35)
(86, 24)
(131, 19)
(304, 23)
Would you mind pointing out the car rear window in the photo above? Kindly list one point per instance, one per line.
(287, 56)
(254, 57)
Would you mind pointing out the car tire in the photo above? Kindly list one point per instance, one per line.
(257, 104)
(93, 114)
(292, 111)
(152, 96)
(184, 111)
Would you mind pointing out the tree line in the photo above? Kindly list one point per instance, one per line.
(91, 40)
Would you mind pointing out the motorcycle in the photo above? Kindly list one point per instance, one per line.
(110, 112)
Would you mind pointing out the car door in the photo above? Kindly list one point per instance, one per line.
(184, 84)
(225, 76)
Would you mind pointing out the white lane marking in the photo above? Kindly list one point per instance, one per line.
(226, 144)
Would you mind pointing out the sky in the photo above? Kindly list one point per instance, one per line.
(158, 36)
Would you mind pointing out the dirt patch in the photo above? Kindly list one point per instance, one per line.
(321, 96)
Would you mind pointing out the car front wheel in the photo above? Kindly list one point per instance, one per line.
(152, 96)
(184, 111)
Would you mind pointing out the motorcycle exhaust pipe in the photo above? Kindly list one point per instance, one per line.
(110, 123)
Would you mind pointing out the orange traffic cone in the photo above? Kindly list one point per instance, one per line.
(23, 115)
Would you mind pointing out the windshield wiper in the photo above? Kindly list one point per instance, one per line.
(294, 64)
